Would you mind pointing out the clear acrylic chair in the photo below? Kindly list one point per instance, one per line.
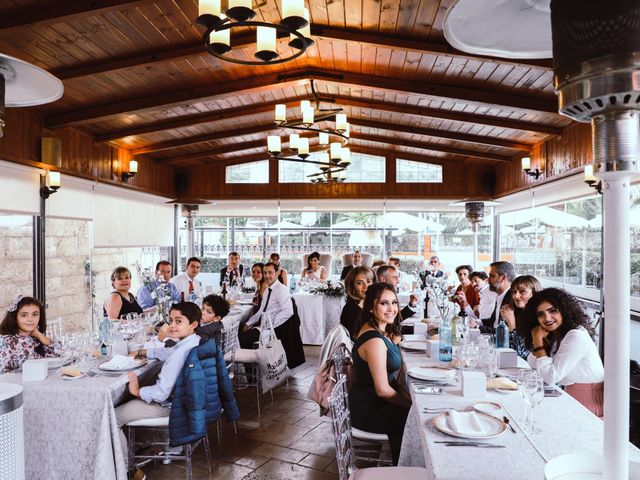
(229, 344)
(342, 435)
(157, 446)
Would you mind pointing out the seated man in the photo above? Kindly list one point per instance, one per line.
(435, 268)
(356, 261)
(404, 284)
(388, 274)
(214, 309)
(411, 308)
(146, 298)
(276, 302)
(186, 283)
(233, 273)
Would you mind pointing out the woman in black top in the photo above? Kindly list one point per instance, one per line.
(120, 302)
(282, 273)
(376, 402)
(355, 285)
(522, 289)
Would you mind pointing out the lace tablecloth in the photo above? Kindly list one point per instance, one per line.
(70, 428)
(565, 427)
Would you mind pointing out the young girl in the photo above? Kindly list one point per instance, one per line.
(22, 334)
(154, 401)
(377, 404)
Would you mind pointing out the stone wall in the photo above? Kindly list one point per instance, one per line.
(16, 254)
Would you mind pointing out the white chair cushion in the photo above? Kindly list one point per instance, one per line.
(150, 422)
(245, 355)
(390, 473)
(369, 436)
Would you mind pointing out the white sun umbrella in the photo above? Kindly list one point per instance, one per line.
(404, 221)
(285, 227)
(546, 215)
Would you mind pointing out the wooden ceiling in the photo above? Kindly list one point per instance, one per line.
(136, 75)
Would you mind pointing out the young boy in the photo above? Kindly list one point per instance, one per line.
(154, 401)
(214, 309)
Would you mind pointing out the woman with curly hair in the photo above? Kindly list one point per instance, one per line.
(377, 403)
(560, 336)
(522, 289)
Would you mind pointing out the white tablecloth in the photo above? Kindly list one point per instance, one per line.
(318, 315)
(566, 427)
(70, 428)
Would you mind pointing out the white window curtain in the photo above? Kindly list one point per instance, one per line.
(74, 199)
(19, 189)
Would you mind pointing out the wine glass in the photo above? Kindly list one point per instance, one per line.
(491, 363)
(534, 393)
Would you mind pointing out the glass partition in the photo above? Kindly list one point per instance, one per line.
(16, 241)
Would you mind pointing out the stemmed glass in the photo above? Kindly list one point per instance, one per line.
(491, 362)
(533, 387)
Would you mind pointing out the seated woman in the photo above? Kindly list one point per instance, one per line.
(257, 274)
(522, 289)
(281, 272)
(314, 270)
(377, 404)
(154, 401)
(22, 334)
(356, 284)
(560, 337)
(120, 301)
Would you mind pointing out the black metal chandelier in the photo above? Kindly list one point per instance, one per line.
(334, 156)
(239, 14)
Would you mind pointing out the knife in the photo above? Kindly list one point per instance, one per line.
(470, 444)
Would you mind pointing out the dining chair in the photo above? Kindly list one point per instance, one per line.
(229, 344)
(342, 435)
(159, 446)
(247, 361)
(326, 259)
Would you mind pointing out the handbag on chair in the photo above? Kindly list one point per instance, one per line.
(272, 360)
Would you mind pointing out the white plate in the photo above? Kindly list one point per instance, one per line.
(493, 426)
(57, 362)
(492, 408)
(67, 377)
(245, 302)
(431, 374)
(505, 391)
(132, 366)
(414, 345)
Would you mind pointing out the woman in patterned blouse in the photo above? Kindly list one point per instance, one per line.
(22, 334)
(522, 289)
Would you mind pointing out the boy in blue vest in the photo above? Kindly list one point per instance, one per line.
(154, 401)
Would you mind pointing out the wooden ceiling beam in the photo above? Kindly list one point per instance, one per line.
(432, 147)
(433, 132)
(198, 119)
(99, 113)
(63, 12)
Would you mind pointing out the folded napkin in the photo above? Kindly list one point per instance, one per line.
(502, 383)
(71, 371)
(119, 362)
(465, 423)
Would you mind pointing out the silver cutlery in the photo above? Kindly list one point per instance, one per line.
(506, 421)
(455, 443)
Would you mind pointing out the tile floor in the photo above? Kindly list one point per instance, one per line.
(288, 441)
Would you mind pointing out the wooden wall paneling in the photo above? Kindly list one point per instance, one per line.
(21, 140)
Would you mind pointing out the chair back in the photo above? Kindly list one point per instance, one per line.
(367, 259)
(229, 342)
(341, 423)
(326, 259)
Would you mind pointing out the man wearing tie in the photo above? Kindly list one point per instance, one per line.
(145, 296)
(500, 277)
(233, 272)
(276, 301)
(186, 282)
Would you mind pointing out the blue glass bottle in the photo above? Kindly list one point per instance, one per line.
(445, 341)
(502, 334)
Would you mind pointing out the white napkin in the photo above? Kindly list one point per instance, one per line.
(120, 362)
(465, 423)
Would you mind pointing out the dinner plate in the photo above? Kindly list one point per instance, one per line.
(493, 427)
(70, 378)
(57, 362)
(492, 408)
(505, 391)
(414, 345)
(135, 363)
(431, 374)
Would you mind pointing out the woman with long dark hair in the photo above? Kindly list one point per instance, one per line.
(563, 352)
(356, 284)
(314, 270)
(522, 289)
(377, 403)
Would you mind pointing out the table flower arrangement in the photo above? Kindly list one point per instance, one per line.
(328, 289)
(442, 294)
(160, 290)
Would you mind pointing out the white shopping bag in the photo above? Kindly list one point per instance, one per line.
(272, 360)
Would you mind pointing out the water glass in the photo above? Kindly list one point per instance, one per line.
(491, 363)
(533, 387)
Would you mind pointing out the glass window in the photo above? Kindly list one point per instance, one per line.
(253, 172)
(363, 169)
(16, 239)
(408, 171)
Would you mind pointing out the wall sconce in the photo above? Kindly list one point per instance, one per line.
(526, 166)
(50, 184)
(591, 180)
(133, 169)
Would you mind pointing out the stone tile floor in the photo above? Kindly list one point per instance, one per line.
(288, 441)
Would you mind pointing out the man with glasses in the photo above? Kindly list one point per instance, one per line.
(145, 296)
(435, 267)
(500, 277)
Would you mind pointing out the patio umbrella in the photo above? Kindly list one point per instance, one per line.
(404, 221)
(546, 215)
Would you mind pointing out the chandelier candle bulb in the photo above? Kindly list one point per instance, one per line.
(526, 163)
(209, 7)
(323, 138)
(303, 146)
(273, 144)
(341, 122)
(266, 44)
(304, 104)
(54, 179)
(220, 41)
(345, 154)
(588, 174)
(133, 166)
(295, 41)
(240, 10)
(334, 152)
(281, 113)
(308, 115)
(293, 141)
(293, 14)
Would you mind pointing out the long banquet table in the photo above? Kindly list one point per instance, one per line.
(70, 428)
(318, 315)
(565, 427)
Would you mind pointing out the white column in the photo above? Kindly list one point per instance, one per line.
(616, 266)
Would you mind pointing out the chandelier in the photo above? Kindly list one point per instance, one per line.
(239, 14)
(333, 157)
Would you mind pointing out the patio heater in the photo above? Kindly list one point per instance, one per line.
(474, 213)
(12, 429)
(596, 51)
(190, 212)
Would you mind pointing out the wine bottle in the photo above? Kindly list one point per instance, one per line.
(224, 290)
(502, 334)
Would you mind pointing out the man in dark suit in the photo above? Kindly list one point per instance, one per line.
(500, 277)
(435, 267)
(233, 273)
(356, 262)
